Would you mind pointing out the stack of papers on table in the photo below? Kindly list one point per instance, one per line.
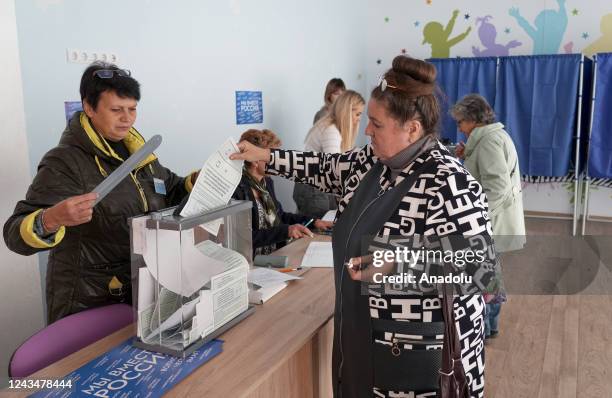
(264, 283)
(319, 254)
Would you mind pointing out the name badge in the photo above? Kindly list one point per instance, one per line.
(160, 187)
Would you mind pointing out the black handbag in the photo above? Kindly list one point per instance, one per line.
(453, 382)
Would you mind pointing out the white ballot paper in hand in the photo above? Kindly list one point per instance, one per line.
(215, 185)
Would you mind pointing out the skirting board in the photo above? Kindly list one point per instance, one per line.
(563, 216)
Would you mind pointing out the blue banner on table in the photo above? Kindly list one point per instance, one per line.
(249, 107)
(127, 371)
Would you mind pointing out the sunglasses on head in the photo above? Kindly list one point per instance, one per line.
(382, 83)
(109, 73)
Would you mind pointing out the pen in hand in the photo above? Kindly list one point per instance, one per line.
(297, 231)
(307, 224)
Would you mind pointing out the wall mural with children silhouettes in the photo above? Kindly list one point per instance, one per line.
(483, 28)
(439, 37)
(487, 33)
(547, 30)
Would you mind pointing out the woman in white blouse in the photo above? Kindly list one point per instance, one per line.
(334, 133)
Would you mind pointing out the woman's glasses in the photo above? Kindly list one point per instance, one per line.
(109, 73)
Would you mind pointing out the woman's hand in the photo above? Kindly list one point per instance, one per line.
(460, 150)
(75, 210)
(323, 225)
(362, 269)
(297, 231)
(250, 153)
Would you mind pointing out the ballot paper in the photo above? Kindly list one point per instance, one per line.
(319, 254)
(330, 216)
(265, 283)
(196, 268)
(173, 315)
(215, 185)
(181, 319)
(265, 277)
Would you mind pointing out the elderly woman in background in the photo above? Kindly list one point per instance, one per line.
(271, 225)
(334, 88)
(334, 133)
(490, 156)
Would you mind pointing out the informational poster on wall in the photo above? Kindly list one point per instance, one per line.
(72, 107)
(249, 107)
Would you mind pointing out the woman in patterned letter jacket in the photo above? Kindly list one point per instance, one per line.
(387, 335)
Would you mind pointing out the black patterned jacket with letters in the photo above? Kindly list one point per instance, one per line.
(447, 202)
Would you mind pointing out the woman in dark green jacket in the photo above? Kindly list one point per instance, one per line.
(89, 247)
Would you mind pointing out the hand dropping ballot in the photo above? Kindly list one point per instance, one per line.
(216, 184)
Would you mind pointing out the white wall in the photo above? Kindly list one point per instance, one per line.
(20, 304)
(190, 57)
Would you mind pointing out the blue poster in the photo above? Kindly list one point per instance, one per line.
(249, 107)
(72, 107)
(127, 371)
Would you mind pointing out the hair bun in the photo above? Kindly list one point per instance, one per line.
(415, 68)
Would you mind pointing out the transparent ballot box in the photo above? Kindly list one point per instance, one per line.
(189, 276)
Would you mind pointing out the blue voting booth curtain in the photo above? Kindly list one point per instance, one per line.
(536, 101)
(587, 94)
(600, 151)
(458, 77)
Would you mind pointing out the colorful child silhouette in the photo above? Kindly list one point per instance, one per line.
(487, 34)
(438, 37)
(549, 28)
(604, 43)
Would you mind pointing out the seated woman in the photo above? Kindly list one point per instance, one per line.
(271, 225)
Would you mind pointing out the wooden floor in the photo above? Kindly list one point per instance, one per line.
(553, 345)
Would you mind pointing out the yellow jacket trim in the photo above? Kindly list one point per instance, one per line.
(133, 141)
(115, 283)
(102, 171)
(26, 229)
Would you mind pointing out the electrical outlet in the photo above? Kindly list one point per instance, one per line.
(72, 55)
(76, 56)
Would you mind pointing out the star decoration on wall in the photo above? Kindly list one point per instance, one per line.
(466, 16)
(386, 19)
(574, 11)
(507, 30)
(585, 35)
(379, 61)
(417, 23)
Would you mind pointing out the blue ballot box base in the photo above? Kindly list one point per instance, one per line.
(189, 350)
